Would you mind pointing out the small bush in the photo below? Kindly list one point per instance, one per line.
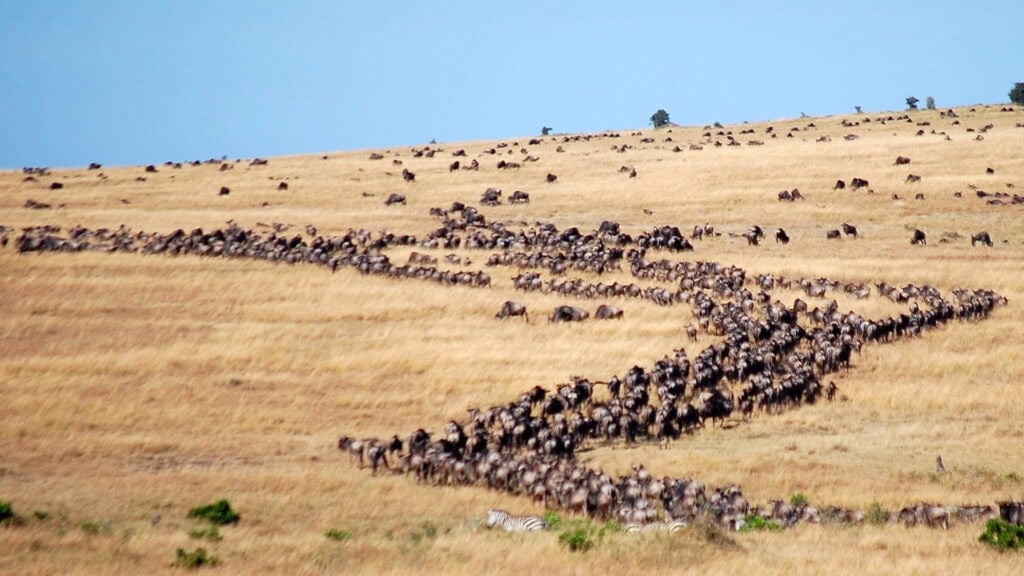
(427, 532)
(876, 515)
(339, 534)
(553, 520)
(759, 523)
(798, 499)
(93, 528)
(219, 512)
(41, 515)
(576, 539)
(211, 533)
(1002, 535)
(659, 118)
(929, 103)
(195, 559)
(6, 513)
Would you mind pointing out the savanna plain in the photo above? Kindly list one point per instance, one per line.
(135, 387)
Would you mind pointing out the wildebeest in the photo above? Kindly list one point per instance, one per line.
(491, 197)
(911, 178)
(568, 314)
(754, 234)
(901, 160)
(849, 230)
(858, 183)
(785, 195)
(833, 234)
(551, 177)
(796, 195)
(510, 308)
(1012, 512)
(519, 197)
(840, 185)
(981, 237)
(395, 198)
(605, 312)
(407, 175)
(919, 238)
(781, 236)
(453, 166)
(224, 191)
(376, 156)
(56, 185)
(282, 186)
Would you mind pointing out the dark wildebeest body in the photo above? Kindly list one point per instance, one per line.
(568, 314)
(858, 183)
(981, 238)
(605, 312)
(1012, 512)
(919, 238)
(901, 160)
(395, 199)
(849, 230)
(510, 308)
(781, 236)
(519, 197)
(840, 185)
(407, 175)
(833, 235)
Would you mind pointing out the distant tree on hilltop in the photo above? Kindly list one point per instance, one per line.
(544, 131)
(912, 103)
(659, 118)
(1017, 93)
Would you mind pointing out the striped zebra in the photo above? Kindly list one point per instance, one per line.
(513, 523)
(670, 527)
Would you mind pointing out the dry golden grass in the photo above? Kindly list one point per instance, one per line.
(135, 386)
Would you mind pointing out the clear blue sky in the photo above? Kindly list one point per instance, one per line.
(142, 82)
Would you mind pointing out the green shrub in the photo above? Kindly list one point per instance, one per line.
(798, 499)
(6, 513)
(219, 512)
(659, 118)
(1002, 535)
(876, 515)
(427, 532)
(41, 515)
(553, 520)
(210, 533)
(576, 539)
(339, 534)
(195, 559)
(759, 523)
(93, 528)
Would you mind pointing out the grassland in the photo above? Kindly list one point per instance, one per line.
(134, 388)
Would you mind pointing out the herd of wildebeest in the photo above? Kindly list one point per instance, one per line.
(769, 356)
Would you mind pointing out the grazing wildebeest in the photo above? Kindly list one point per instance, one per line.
(785, 195)
(395, 198)
(605, 312)
(781, 236)
(1012, 512)
(282, 186)
(911, 178)
(840, 185)
(491, 197)
(510, 308)
(796, 195)
(919, 238)
(849, 230)
(551, 177)
(56, 185)
(833, 234)
(224, 191)
(407, 175)
(453, 166)
(858, 183)
(901, 160)
(568, 314)
(919, 196)
(519, 197)
(376, 156)
(150, 168)
(981, 237)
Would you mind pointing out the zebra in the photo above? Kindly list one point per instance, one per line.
(513, 523)
(670, 527)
